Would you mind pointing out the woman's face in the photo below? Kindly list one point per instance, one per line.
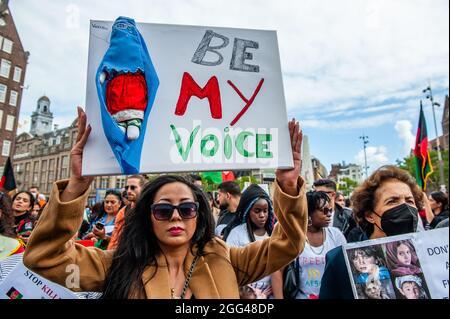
(176, 231)
(36, 209)
(410, 290)
(22, 203)
(322, 217)
(434, 204)
(340, 200)
(112, 204)
(390, 194)
(404, 254)
(364, 263)
(259, 213)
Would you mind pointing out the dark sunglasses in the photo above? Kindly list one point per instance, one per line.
(132, 187)
(327, 210)
(164, 211)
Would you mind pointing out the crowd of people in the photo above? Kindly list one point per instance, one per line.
(167, 238)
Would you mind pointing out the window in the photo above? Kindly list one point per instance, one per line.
(7, 45)
(120, 182)
(6, 148)
(1, 40)
(13, 98)
(10, 122)
(3, 89)
(5, 68)
(104, 182)
(1, 118)
(17, 74)
(65, 161)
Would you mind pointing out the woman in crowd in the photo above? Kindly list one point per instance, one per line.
(384, 205)
(103, 227)
(167, 248)
(439, 205)
(402, 259)
(255, 221)
(9, 244)
(340, 199)
(22, 205)
(320, 239)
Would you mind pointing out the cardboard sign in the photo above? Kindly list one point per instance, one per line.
(205, 99)
(22, 283)
(412, 266)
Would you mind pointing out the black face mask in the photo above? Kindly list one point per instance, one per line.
(401, 219)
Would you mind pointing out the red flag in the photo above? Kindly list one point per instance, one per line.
(228, 176)
(8, 182)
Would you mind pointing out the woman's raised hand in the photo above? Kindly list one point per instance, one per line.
(78, 184)
(287, 178)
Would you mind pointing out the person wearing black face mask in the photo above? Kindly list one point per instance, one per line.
(386, 204)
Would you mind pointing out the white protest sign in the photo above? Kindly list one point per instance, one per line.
(212, 99)
(22, 283)
(411, 266)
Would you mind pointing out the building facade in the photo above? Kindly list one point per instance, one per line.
(13, 63)
(339, 172)
(443, 139)
(41, 159)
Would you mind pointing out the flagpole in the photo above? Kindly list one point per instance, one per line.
(438, 144)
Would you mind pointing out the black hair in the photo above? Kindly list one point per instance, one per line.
(6, 216)
(242, 215)
(316, 201)
(115, 193)
(326, 183)
(442, 198)
(138, 245)
(195, 177)
(32, 200)
(230, 187)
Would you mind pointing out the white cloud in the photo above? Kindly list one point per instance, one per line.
(376, 157)
(404, 131)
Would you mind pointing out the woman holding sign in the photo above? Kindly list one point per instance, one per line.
(384, 205)
(9, 244)
(167, 248)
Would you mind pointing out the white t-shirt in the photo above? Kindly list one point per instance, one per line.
(238, 237)
(312, 263)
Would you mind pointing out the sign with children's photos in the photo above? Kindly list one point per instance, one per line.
(411, 266)
(168, 98)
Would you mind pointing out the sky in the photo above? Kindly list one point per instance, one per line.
(350, 68)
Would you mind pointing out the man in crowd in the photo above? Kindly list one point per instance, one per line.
(38, 197)
(228, 198)
(133, 187)
(341, 216)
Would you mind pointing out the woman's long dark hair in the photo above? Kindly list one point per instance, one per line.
(6, 216)
(138, 246)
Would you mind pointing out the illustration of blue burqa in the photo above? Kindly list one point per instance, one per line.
(127, 53)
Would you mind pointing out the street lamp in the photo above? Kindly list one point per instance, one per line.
(365, 142)
(438, 144)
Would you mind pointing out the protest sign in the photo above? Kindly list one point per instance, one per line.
(411, 266)
(22, 283)
(199, 99)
